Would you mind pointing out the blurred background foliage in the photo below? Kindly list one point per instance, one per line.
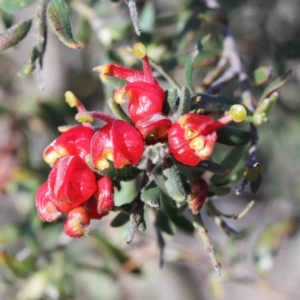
(38, 261)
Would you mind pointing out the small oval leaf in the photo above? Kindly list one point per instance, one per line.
(173, 181)
(58, 15)
(14, 34)
(120, 220)
(233, 136)
(262, 75)
(151, 195)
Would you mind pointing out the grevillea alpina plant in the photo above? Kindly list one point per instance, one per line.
(164, 140)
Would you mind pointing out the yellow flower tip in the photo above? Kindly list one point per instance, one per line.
(83, 117)
(104, 69)
(238, 112)
(63, 128)
(71, 99)
(51, 157)
(120, 96)
(102, 164)
(139, 50)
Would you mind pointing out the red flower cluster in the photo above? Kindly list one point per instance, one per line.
(76, 189)
(72, 187)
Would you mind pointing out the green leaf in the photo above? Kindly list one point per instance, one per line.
(220, 191)
(208, 165)
(233, 136)
(262, 75)
(173, 181)
(120, 220)
(151, 195)
(175, 215)
(58, 15)
(162, 223)
(273, 86)
(184, 102)
(171, 99)
(14, 34)
(189, 66)
(29, 65)
(252, 173)
(230, 160)
(262, 112)
(12, 6)
(209, 102)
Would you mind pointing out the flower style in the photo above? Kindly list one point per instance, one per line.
(192, 137)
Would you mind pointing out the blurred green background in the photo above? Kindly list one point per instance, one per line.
(37, 261)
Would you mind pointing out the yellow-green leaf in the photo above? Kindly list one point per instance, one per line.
(14, 34)
(58, 15)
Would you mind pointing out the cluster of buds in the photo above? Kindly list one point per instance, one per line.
(78, 186)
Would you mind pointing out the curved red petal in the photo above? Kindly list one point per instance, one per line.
(71, 180)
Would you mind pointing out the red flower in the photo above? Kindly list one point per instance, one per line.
(45, 204)
(77, 222)
(192, 137)
(145, 96)
(154, 128)
(117, 142)
(145, 99)
(71, 181)
(105, 195)
(198, 195)
(75, 141)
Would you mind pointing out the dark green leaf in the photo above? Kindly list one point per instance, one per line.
(184, 102)
(175, 216)
(255, 184)
(209, 102)
(162, 223)
(14, 5)
(252, 174)
(230, 160)
(262, 75)
(273, 86)
(220, 191)
(14, 35)
(233, 136)
(120, 220)
(173, 181)
(189, 66)
(58, 15)
(213, 167)
(29, 65)
(171, 99)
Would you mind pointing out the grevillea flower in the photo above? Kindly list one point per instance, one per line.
(77, 222)
(105, 195)
(75, 141)
(198, 195)
(154, 128)
(71, 181)
(117, 142)
(192, 137)
(45, 204)
(144, 95)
